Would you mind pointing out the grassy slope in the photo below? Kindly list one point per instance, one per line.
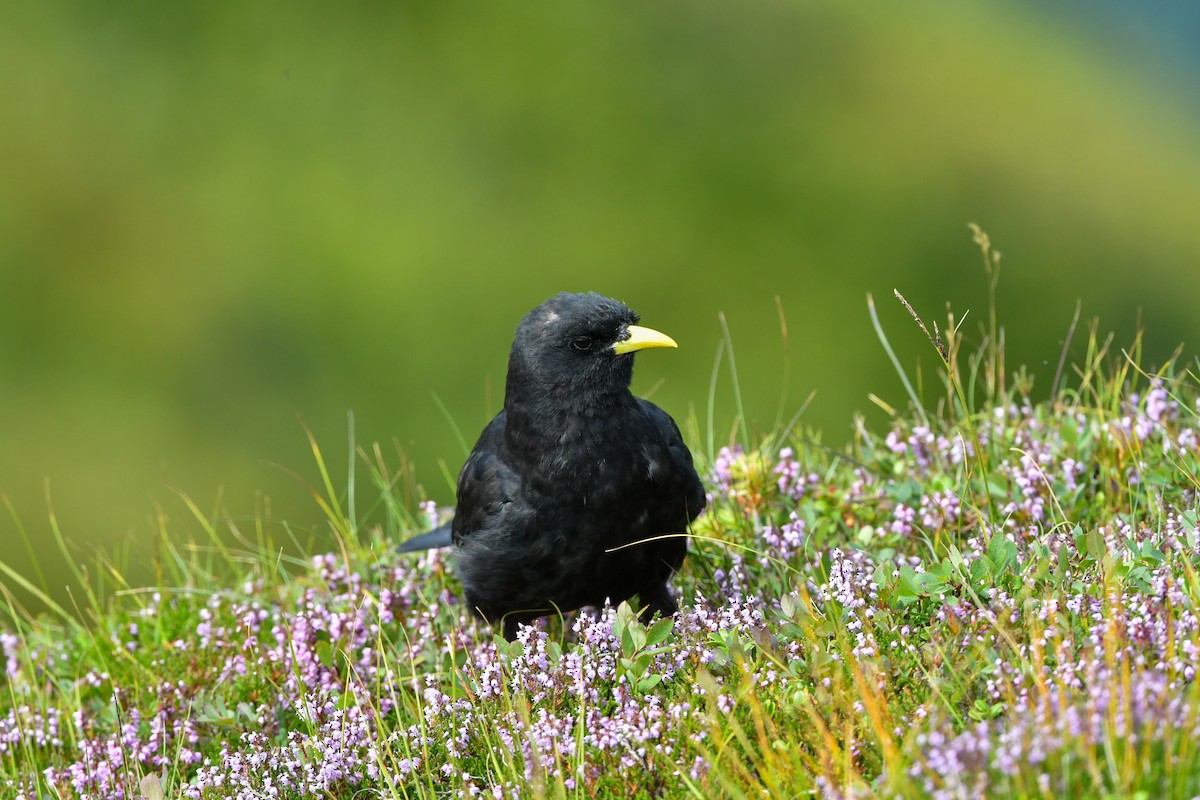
(1000, 601)
(213, 220)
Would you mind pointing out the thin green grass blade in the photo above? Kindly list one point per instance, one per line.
(457, 431)
(733, 376)
(891, 354)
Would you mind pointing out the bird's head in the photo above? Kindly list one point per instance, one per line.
(578, 343)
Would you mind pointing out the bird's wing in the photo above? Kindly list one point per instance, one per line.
(683, 470)
(487, 486)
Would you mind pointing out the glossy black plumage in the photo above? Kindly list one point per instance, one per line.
(573, 467)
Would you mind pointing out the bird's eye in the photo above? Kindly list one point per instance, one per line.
(582, 343)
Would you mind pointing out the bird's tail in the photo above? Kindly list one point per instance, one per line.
(438, 537)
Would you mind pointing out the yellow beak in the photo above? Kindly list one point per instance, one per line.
(640, 338)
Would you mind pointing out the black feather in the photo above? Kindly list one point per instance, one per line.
(569, 475)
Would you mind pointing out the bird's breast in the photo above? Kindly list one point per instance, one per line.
(590, 459)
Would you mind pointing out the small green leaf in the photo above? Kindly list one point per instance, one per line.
(932, 583)
(325, 654)
(906, 584)
(1002, 553)
(637, 635)
(943, 570)
(1150, 553)
(649, 682)
(980, 571)
(660, 631)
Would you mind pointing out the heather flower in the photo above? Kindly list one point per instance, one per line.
(791, 483)
(902, 520)
(938, 511)
(430, 509)
(785, 541)
(1160, 407)
(1071, 471)
(8, 646)
(723, 467)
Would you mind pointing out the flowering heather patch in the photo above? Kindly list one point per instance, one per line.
(1001, 604)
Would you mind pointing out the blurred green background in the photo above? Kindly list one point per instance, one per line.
(219, 220)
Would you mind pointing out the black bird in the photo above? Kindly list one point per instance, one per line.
(573, 467)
